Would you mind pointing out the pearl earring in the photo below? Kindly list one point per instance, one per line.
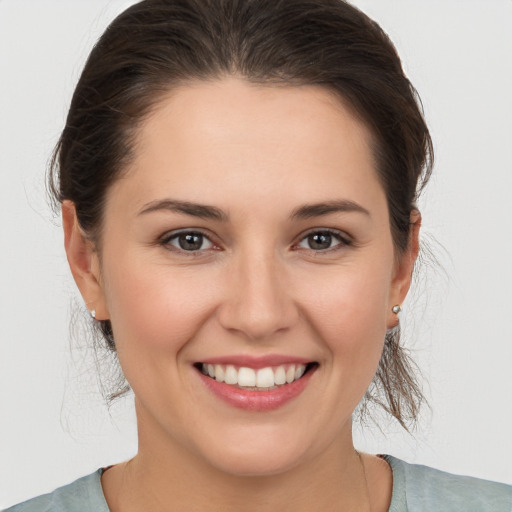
(396, 309)
(93, 313)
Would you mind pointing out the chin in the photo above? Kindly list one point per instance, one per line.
(257, 464)
(259, 457)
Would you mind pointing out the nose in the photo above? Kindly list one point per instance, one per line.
(258, 300)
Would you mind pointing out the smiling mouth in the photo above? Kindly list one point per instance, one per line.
(262, 379)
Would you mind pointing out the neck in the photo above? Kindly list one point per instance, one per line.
(165, 472)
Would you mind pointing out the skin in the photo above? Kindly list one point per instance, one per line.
(255, 287)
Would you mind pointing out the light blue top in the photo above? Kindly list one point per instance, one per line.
(415, 488)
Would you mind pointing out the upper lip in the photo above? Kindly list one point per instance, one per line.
(256, 362)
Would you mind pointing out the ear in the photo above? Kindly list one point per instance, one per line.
(404, 267)
(84, 262)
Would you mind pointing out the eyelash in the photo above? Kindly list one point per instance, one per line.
(166, 240)
(341, 237)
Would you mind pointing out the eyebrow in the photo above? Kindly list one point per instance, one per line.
(194, 209)
(203, 211)
(309, 211)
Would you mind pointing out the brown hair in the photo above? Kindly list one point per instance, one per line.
(156, 45)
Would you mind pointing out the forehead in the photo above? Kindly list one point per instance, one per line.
(235, 139)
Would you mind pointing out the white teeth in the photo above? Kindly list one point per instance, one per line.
(299, 372)
(219, 373)
(290, 374)
(246, 377)
(263, 378)
(231, 375)
(279, 376)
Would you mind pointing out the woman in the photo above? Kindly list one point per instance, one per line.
(238, 184)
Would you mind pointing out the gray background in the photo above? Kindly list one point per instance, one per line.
(53, 424)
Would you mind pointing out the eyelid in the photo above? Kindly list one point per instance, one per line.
(166, 238)
(342, 236)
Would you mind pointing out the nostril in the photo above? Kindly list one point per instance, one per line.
(259, 306)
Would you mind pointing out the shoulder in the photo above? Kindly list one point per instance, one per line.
(83, 495)
(418, 488)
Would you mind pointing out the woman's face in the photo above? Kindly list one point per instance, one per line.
(250, 234)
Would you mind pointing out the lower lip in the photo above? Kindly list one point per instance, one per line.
(257, 400)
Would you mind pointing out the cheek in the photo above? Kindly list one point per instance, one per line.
(349, 312)
(155, 308)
